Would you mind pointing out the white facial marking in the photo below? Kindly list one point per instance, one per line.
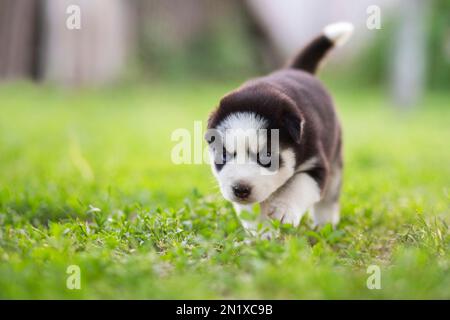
(243, 131)
(244, 134)
(242, 120)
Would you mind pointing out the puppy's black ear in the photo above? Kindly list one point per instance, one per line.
(294, 122)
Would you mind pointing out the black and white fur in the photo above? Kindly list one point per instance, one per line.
(293, 101)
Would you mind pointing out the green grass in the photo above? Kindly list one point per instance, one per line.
(86, 179)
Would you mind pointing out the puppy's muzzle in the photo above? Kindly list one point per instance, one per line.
(241, 190)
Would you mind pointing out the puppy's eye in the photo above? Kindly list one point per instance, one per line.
(264, 159)
(223, 157)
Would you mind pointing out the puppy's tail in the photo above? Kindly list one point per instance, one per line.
(309, 58)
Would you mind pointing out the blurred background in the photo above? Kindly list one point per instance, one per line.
(88, 112)
(175, 40)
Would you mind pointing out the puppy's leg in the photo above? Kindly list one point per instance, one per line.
(327, 209)
(289, 203)
(258, 226)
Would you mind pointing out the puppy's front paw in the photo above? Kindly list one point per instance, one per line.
(282, 211)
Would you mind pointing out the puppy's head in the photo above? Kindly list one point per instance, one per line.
(253, 137)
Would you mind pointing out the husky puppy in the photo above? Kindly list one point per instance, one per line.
(276, 140)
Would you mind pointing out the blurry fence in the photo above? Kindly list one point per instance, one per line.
(214, 37)
(18, 38)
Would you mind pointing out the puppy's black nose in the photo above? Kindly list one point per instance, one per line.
(241, 190)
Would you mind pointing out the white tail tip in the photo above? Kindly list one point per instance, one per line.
(338, 32)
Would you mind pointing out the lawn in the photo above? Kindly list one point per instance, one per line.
(86, 179)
